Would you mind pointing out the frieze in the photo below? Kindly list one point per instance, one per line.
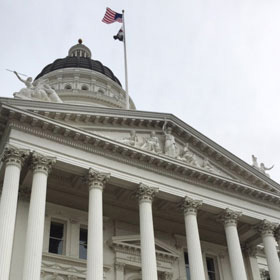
(181, 172)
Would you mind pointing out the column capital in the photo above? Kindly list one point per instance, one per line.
(229, 217)
(266, 228)
(96, 179)
(42, 163)
(190, 206)
(14, 155)
(166, 275)
(146, 193)
(119, 266)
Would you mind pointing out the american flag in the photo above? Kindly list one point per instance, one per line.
(111, 16)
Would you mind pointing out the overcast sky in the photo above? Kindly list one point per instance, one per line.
(215, 64)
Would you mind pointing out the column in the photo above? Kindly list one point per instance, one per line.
(14, 159)
(96, 182)
(145, 195)
(266, 230)
(41, 166)
(229, 219)
(119, 269)
(190, 207)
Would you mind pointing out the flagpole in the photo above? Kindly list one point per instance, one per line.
(125, 63)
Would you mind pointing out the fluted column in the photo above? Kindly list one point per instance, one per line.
(266, 230)
(190, 207)
(41, 166)
(14, 159)
(145, 195)
(230, 219)
(96, 182)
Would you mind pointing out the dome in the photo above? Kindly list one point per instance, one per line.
(79, 56)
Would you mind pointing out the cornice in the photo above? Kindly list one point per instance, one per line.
(141, 119)
(65, 134)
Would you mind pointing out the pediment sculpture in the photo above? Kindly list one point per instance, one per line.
(262, 168)
(169, 148)
(36, 90)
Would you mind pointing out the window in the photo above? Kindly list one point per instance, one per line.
(56, 242)
(210, 262)
(84, 87)
(187, 264)
(68, 87)
(83, 244)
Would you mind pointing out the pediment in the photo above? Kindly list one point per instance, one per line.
(194, 154)
(131, 243)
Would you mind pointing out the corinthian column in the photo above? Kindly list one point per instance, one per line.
(96, 182)
(190, 207)
(14, 159)
(145, 195)
(41, 166)
(266, 230)
(229, 219)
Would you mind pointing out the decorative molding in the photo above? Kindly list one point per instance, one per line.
(119, 266)
(96, 179)
(42, 163)
(14, 156)
(159, 164)
(146, 193)
(229, 217)
(266, 228)
(190, 206)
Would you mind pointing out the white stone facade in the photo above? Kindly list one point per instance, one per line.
(157, 199)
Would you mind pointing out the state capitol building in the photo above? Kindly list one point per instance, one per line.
(92, 190)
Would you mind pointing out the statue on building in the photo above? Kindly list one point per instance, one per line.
(169, 144)
(262, 167)
(36, 90)
(152, 143)
(132, 140)
(255, 162)
(188, 156)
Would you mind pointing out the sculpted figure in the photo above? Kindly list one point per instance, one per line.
(188, 156)
(263, 169)
(152, 143)
(207, 165)
(255, 162)
(131, 140)
(169, 144)
(25, 93)
(37, 90)
(52, 94)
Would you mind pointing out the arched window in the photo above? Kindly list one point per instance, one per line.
(68, 87)
(84, 87)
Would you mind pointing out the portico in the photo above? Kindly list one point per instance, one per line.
(118, 194)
